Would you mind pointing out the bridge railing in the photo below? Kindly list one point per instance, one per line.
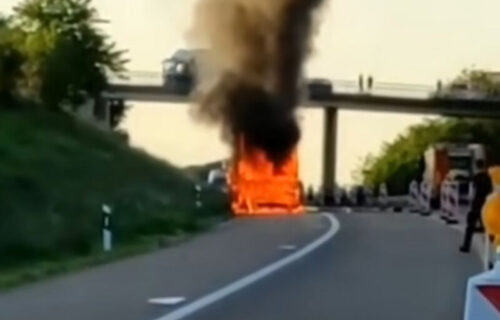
(391, 89)
(138, 77)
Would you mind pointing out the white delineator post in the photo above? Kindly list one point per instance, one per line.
(107, 235)
(445, 200)
(490, 252)
(414, 195)
(198, 189)
(425, 197)
(454, 207)
(383, 195)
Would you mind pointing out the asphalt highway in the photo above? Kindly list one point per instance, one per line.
(360, 266)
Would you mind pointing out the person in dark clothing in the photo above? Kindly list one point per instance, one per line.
(482, 187)
(370, 83)
(344, 199)
(439, 86)
(310, 195)
(360, 196)
(361, 83)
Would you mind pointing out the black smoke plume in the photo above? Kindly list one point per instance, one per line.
(258, 48)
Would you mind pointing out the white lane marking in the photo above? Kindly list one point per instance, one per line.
(244, 282)
(167, 301)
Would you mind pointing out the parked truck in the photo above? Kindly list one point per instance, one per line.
(452, 163)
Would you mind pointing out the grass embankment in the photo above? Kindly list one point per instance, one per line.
(55, 174)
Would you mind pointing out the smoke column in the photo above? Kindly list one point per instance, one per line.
(259, 47)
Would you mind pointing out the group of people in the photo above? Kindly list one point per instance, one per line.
(361, 83)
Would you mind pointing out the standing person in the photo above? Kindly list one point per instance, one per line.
(361, 82)
(310, 194)
(482, 188)
(439, 86)
(360, 196)
(369, 84)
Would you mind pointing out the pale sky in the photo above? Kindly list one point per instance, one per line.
(394, 40)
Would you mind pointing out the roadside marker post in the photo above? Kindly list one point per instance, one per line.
(445, 200)
(107, 235)
(383, 195)
(488, 252)
(198, 202)
(425, 198)
(453, 207)
(414, 195)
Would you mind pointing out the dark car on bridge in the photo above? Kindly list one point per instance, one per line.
(319, 89)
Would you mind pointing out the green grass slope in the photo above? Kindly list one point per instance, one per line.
(55, 174)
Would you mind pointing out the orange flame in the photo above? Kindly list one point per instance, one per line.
(259, 187)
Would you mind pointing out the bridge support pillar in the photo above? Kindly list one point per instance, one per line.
(329, 154)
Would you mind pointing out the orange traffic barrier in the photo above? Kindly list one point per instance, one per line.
(491, 209)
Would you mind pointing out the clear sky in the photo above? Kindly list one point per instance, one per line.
(394, 40)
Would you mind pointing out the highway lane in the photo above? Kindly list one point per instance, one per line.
(379, 266)
(120, 290)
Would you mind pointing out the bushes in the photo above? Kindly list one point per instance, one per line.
(398, 162)
(55, 174)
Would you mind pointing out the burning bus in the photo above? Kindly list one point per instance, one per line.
(258, 49)
(260, 187)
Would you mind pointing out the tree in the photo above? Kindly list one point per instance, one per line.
(69, 58)
(398, 162)
(11, 60)
(479, 81)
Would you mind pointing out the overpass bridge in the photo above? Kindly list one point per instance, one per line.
(389, 100)
(346, 95)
